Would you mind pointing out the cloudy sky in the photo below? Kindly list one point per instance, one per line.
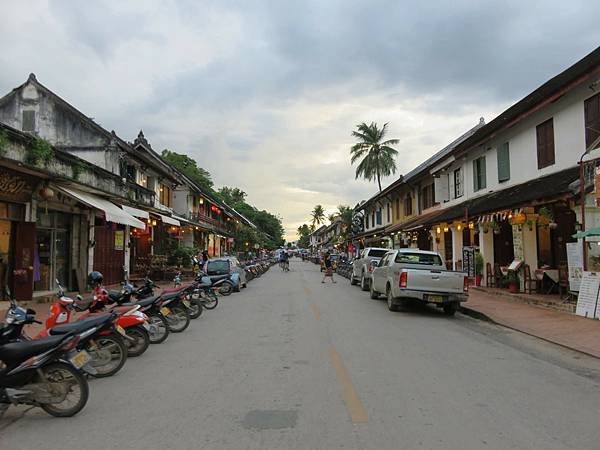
(264, 94)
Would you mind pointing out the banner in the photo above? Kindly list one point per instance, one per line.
(575, 263)
(119, 239)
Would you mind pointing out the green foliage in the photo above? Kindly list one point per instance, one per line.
(3, 143)
(76, 169)
(377, 157)
(269, 231)
(479, 263)
(189, 168)
(303, 236)
(39, 153)
(180, 255)
(318, 215)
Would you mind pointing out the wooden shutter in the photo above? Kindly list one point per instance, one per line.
(475, 176)
(28, 121)
(545, 143)
(482, 168)
(592, 120)
(503, 155)
(440, 186)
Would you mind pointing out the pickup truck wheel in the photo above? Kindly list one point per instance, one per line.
(390, 300)
(372, 293)
(450, 309)
(364, 283)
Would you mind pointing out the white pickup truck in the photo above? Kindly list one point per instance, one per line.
(410, 274)
(364, 264)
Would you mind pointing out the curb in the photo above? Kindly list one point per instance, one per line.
(484, 317)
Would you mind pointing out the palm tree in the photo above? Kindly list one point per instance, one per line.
(318, 215)
(332, 217)
(378, 157)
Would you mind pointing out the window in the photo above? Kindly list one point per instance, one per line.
(503, 155)
(428, 196)
(366, 222)
(28, 121)
(545, 143)
(398, 208)
(408, 205)
(419, 258)
(130, 172)
(151, 183)
(479, 181)
(374, 253)
(388, 212)
(591, 109)
(165, 195)
(458, 189)
(379, 217)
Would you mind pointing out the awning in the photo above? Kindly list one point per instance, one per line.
(136, 212)
(416, 222)
(112, 212)
(591, 232)
(169, 220)
(183, 219)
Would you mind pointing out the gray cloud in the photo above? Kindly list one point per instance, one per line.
(265, 94)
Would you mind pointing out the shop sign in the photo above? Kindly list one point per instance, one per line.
(13, 187)
(119, 239)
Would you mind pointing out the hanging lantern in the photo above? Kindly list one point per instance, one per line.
(46, 193)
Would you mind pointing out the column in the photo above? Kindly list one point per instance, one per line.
(126, 249)
(486, 248)
(457, 245)
(92, 239)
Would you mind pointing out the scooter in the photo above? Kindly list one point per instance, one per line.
(43, 373)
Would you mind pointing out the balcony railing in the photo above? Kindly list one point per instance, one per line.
(203, 218)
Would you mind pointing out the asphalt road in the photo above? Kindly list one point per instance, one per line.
(291, 363)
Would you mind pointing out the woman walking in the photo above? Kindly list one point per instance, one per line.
(328, 268)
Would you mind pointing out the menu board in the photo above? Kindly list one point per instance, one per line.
(575, 263)
(587, 300)
(469, 261)
(519, 253)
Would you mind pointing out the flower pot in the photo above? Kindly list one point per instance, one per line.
(513, 288)
(478, 279)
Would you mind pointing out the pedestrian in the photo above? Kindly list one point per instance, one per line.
(204, 260)
(328, 268)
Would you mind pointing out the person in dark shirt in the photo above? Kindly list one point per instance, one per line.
(328, 268)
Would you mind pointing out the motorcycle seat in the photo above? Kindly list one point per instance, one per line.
(171, 295)
(16, 351)
(80, 325)
(143, 302)
(215, 278)
(114, 295)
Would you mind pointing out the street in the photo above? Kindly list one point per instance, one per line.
(291, 363)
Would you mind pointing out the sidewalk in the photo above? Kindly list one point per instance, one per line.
(568, 330)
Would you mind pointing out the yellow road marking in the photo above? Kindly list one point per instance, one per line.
(355, 408)
(316, 311)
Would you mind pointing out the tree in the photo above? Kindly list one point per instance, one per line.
(346, 214)
(332, 217)
(234, 197)
(189, 168)
(318, 215)
(303, 236)
(376, 155)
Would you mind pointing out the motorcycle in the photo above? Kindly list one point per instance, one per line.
(43, 373)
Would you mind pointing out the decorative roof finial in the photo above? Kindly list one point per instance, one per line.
(32, 77)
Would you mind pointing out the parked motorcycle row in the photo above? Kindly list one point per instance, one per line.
(344, 269)
(50, 370)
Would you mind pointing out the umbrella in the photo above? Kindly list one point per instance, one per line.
(591, 232)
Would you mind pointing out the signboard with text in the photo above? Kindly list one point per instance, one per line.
(587, 300)
(575, 264)
(119, 239)
(469, 261)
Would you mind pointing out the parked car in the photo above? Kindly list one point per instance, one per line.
(228, 265)
(362, 268)
(417, 275)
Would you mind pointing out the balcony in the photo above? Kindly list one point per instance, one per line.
(211, 224)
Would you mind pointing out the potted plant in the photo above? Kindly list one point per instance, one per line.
(513, 282)
(478, 268)
(529, 223)
(496, 227)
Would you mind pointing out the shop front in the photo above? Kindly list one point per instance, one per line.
(17, 237)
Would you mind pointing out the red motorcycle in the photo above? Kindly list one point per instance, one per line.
(130, 323)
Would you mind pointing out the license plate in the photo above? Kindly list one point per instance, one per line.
(187, 303)
(121, 330)
(435, 298)
(165, 311)
(80, 359)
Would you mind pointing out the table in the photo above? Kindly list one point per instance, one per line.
(549, 274)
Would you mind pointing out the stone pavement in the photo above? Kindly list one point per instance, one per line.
(568, 330)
